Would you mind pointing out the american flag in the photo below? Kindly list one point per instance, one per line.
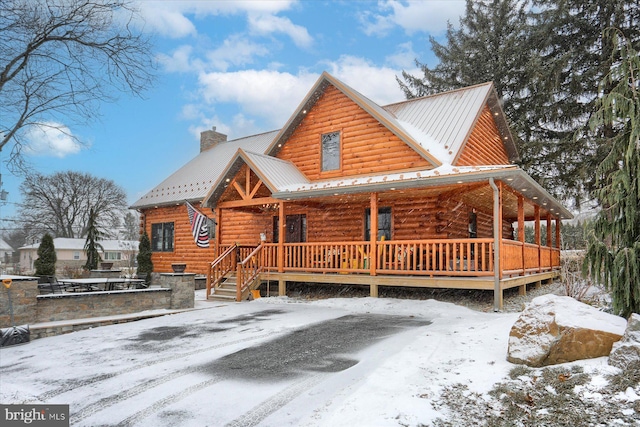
(199, 227)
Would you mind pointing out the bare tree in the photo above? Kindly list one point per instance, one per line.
(61, 203)
(59, 59)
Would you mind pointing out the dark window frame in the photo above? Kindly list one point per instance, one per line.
(162, 237)
(385, 226)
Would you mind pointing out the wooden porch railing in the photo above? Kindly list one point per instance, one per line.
(222, 265)
(247, 271)
(436, 257)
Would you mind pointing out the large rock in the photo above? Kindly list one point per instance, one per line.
(554, 329)
(627, 350)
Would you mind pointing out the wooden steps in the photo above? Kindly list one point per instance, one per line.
(227, 289)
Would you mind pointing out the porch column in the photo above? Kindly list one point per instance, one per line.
(549, 239)
(373, 234)
(521, 228)
(497, 242)
(536, 213)
(217, 214)
(558, 235)
(281, 228)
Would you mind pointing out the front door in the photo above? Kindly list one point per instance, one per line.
(296, 231)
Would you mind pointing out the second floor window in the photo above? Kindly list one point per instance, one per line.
(330, 151)
(162, 237)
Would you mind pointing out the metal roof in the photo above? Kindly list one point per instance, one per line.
(442, 123)
(194, 180)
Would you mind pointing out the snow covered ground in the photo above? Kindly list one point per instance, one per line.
(269, 362)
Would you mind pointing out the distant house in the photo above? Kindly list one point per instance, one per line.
(6, 257)
(423, 193)
(71, 254)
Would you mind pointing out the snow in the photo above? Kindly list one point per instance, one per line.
(109, 375)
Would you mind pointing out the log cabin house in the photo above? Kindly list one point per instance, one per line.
(421, 193)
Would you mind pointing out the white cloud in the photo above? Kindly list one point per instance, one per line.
(265, 99)
(180, 60)
(413, 16)
(404, 57)
(51, 139)
(376, 83)
(267, 94)
(236, 50)
(266, 24)
(166, 19)
(170, 18)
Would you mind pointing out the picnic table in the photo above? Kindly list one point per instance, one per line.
(100, 284)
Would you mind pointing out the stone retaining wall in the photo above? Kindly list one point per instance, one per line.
(81, 305)
(176, 292)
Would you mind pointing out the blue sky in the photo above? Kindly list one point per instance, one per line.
(242, 66)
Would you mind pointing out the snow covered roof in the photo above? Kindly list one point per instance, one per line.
(64, 243)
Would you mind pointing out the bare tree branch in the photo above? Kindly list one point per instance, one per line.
(60, 59)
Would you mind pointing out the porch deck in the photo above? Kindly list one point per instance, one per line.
(438, 263)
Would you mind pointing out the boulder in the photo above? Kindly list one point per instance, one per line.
(554, 329)
(627, 350)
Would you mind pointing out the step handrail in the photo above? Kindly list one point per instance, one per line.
(248, 270)
(222, 265)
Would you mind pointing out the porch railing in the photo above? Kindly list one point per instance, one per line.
(247, 271)
(435, 257)
(223, 264)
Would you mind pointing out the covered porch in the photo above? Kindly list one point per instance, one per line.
(467, 234)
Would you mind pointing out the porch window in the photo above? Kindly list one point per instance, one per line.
(384, 224)
(331, 151)
(162, 237)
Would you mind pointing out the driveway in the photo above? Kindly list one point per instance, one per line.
(231, 364)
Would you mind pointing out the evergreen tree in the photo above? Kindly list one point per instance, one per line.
(575, 58)
(545, 58)
(145, 265)
(46, 262)
(613, 255)
(91, 246)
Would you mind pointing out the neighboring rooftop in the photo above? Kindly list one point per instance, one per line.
(66, 243)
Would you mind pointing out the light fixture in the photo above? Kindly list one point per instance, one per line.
(227, 180)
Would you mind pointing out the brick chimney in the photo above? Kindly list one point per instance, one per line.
(210, 138)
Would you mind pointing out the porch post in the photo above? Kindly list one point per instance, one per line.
(218, 216)
(536, 213)
(497, 241)
(521, 228)
(549, 240)
(558, 235)
(373, 234)
(281, 228)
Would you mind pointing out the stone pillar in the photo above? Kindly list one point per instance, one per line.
(182, 287)
(24, 292)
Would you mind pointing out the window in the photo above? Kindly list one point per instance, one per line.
(162, 237)
(112, 256)
(331, 151)
(76, 255)
(473, 224)
(384, 224)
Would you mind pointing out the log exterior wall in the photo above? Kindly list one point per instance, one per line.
(484, 147)
(184, 247)
(426, 218)
(367, 147)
